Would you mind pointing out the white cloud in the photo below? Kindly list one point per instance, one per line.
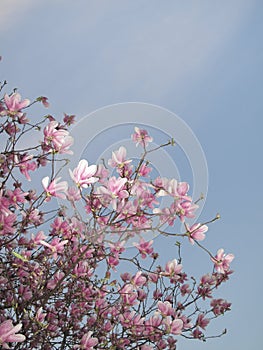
(12, 10)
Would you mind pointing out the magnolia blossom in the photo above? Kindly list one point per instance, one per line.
(40, 236)
(115, 189)
(56, 246)
(128, 294)
(82, 175)
(141, 137)
(165, 308)
(146, 347)
(55, 187)
(25, 165)
(145, 248)
(63, 147)
(196, 232)
(40, 315)
(222, 261)
(7, 223)
(58, 278)
(8, 334)
(87, 342)
(139, 280)
(14, 104)
(173, 188)
(69, 119)
(131, 319)
(174, 326)
(202, 321)
(186, 209)
(172, 268)
(44, 101)
(58, 138)
(118, 158)
(16, 196)
(220, 306)
(152, 324)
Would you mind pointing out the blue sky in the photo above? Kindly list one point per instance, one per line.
(202, 60)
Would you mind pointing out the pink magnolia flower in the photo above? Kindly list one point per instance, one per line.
(139, 280)
(57, 138)
(182, 189)
(56, 246)
(14, 104)
(58, 277)
(220, 306)
(55, 188)
(118, 158)
(25, 292)
(69, 119)
(33, 216)
(63, 147)
(44, 101)
(186, 321)
(11, 129)
(142, 295)
(23, 119)
(202, 321)
(196, 232)
(165, 308)
(87, 342)
(117, 247)
(146, 347)
(130, 318)
(222, 261)
(144, 170)
(167, 215)
(40, 315)
(113, 261)
(115, 189)
(16, 196)
(128, 294)
(143, 197)
(8, 334)
(82, 269)
(53, 133)
(40, 236)
(173, 188)
(172, 268)
(141, 137)
(126, 276)
(145, 248)
(152, 324)
(174, 326)
(185, 289)
(4, 204)
(82, 175)
(186, 209)
(7, 223)
(25, 165)
(197, 334)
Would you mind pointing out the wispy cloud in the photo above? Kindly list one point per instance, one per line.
(11, 12)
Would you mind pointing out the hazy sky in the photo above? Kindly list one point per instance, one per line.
(202, 60)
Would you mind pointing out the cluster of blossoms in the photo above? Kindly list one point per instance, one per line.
(68, 281)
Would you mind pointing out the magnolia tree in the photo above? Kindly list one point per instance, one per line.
(67, 278)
